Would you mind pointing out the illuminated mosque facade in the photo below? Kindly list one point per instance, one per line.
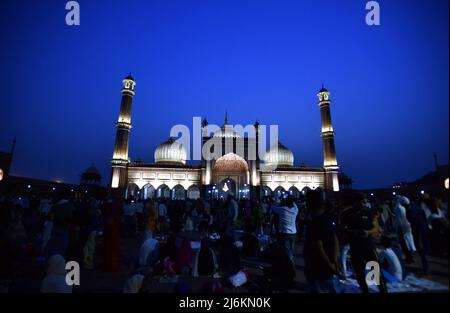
(237, 170)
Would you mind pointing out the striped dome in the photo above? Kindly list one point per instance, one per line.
(280, 157)
(170, 151)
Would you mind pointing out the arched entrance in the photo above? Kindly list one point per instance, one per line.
(148, 192)
(305, 190)
(178, 193)
(193, 192)
(279, 192)
(294, 192)
(230, 175)
(163, 191)
(266, 191)
(132, 191)
(226, 187)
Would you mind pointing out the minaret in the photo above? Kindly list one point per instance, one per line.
(120, 156)
(204, 127)
(329, 152)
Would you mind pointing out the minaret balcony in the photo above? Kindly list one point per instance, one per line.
(327, 134)
(129, 92)
(119, 162)
(123, 125)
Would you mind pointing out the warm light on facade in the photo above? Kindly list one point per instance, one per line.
(330, 162)
(446, 183)
(335, 182)
(118, 155)
(124, 119)
(1, 174)
(115, 178)
(326, 129)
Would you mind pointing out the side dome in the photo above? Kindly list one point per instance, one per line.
(280, 157)
(171, 151)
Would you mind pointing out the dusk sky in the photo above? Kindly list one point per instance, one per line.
(257, 59)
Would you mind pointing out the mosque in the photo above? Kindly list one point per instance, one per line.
(236, 170)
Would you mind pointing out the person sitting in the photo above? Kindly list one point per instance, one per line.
(55, 279)
(148, 253)
(389, 260)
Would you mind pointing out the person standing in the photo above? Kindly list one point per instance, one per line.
(62, 213)
(321, 251)
(361, 226)
(344, 245)
(403, 228)
(232, 215)
(287, 230)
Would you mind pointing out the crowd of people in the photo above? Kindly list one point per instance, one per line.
(211, 238)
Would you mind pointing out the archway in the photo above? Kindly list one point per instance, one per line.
(132, 191)
(148, 192)
(244, 192)
(279, 192)
(231, 172)
(294, 192)
(266, 191)
(193, 192)
(305, 190)
(163, 191)
(226, 187)
(178, 193)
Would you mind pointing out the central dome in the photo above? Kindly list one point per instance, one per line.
(226, 131)
(280, 157)
(171, 151)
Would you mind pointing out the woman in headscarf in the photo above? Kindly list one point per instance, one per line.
(55, 279)
(152, 221)
(133, 284)
(184, 257)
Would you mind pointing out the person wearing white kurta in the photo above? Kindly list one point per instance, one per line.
(402, 224)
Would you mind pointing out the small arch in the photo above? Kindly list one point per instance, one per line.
(163, 191)
(178, 193)
(305, 190)
(321, 190)
(266, 191)
(148, 191)
(193, 192)
(132, 191)
(294, 192)
(226, 187)
(279, 192)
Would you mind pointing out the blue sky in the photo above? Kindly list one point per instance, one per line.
(261, 59)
